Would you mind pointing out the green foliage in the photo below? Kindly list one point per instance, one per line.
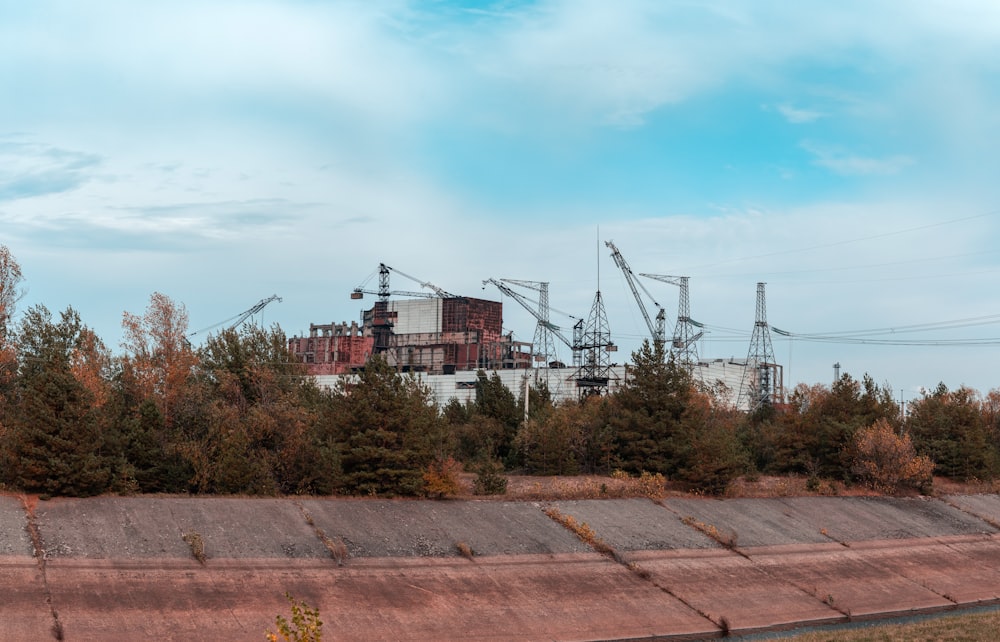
(389, 429)
(650, 409)
(490, 479)
(951, 428)
(53, 435)
(305, 625)
(814, 434)
(497, 410)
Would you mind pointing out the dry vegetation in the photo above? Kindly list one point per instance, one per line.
(547, 488)
(945, 628)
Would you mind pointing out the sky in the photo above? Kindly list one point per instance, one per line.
(221, 151)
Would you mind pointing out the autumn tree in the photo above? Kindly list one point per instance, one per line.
(11, 290)
(262, 432)
(812, 436)
(887, 461)
(54, 437)
(159, 359)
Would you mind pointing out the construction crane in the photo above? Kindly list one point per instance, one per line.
(685, 338)
(384, 292)
(526, 304)
(657, 330)
(545, 350)
(242, 316)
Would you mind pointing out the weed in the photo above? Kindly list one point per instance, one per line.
(197, 545)
(729, 539)
(582, 531)
(464, 550)
(305, 625)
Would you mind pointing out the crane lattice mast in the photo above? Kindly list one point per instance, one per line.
(544, 345)
(687, 331)
(525, 302)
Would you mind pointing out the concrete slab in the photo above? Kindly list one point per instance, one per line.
(755, 522)
(986, 507)
(524, 598)
(962, 570)
(855, 519)
(141, 527)
(14, 538)
(635, 525)
(400, 528)
(724, 585)
(849, 581)
(24, 612)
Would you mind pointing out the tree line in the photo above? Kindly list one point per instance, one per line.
(237, 414)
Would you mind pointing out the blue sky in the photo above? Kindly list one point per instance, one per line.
(221, 151)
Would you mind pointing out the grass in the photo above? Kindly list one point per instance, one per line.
(979, 625)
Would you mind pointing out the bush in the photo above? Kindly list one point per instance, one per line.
(441, 478)
(886, 461)
(490, 479)
(305, 625)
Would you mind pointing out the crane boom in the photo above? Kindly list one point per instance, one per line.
(526, 304)
(242, 316)
(384, 292)
(425, 284)
(656, 330)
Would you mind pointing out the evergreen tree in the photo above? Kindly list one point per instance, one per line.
(388, 429)
(949, 428)
(650, 408)
(54, 436)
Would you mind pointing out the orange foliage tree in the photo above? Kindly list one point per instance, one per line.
(887, 461)
(159, 359)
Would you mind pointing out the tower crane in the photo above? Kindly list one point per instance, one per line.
(657, 329)
(543, 321)
(685, 337)
(384, 292)
(545, 350)
(242, 316)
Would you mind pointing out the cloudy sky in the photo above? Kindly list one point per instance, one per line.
(221, 151)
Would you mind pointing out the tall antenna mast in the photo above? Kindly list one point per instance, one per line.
(761, 384)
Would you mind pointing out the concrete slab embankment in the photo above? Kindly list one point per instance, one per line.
(117, 568)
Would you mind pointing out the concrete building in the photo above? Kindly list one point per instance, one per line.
(434, 336)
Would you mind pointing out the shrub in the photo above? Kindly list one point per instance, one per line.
(441, 478)
(305, 625)
(490, 479)
(886, 461)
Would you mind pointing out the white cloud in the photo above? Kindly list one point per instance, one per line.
(845, 163)
(798, 116)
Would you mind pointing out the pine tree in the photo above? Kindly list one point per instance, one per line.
(388, 427)
(54, 437)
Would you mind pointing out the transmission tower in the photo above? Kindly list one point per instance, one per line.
(594, 345)
(760, 386)
(544, 342)
(684, 344)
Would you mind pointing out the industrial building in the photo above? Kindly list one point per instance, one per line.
(432, 336)
(446, 339)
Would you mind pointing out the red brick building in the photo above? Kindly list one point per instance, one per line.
(435, 335)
